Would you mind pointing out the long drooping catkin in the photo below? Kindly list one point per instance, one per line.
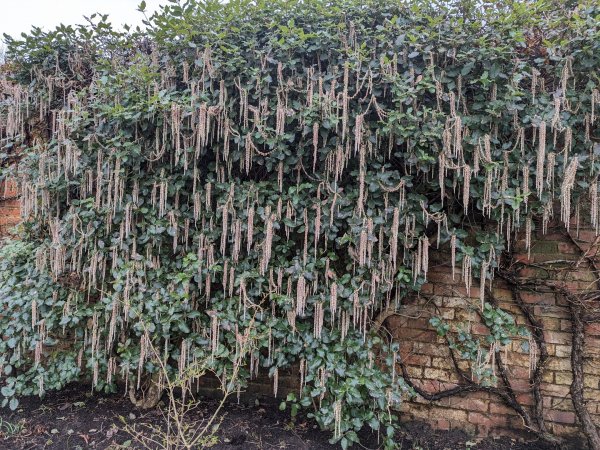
(214, 332)
(318, 320)
(594, 207)
(333, 301)
(453, 253)
(467, 273)
(541, 157)
(301, 296)
(268, 242)
(566, 188)
(466, 187)
(394, 237)
(250, 228)
(528, 228)
(315, 142)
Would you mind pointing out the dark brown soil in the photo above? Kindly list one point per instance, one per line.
(75, 419)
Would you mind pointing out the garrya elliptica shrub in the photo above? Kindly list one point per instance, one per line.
(290, 163)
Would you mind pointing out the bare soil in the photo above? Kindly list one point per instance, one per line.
(75, 419)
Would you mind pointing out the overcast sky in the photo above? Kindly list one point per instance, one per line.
(17, 16)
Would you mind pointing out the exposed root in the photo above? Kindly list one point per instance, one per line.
(150, 396)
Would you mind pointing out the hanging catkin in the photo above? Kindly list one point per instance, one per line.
(541, 157)
(318, 320)
(595, 100)
(482, 278)
(594, 216)
(301, 296)
(333, 301)
(337, 419)
(528, 226)
(268, 242)
(550, 163)
(467, 273)
(425, 256)
(315, 142)
(466, 187)
(566, 188)
(275, 381)
(225, 227)
(362, 247)
(214, 332)
(250, 229)
(394, 237)
(453, 253)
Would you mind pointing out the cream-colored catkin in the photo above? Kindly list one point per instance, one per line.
(301, 295)
(568, 145)
(482, 281)
(280, 176)
(528, 228)
(370, 242)
(533, 357)
(318, 320)
(250, 229)
(237, 240)
(453, 253)
(466, 186)
(362, 247)
(525, 185)
(566, 188)
(442, 174)
(595, 101)
(394, 237)
(214, 333)
(345, 98)
(315, 142)
(361, 180)
(541, 159)
(425, 256)
(34, 314)
(594, 207)
(275, 381)
(344, 325)
(476, 158)
(225, 228)
(302, 371)
(333, 300)
(467, 273)
(317, 230)
(555, 122)
(550, 163)
(337, 419)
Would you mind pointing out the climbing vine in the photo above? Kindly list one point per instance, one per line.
(285, 166)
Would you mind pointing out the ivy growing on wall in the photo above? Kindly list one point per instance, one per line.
(286, 166)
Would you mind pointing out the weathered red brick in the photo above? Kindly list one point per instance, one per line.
(468, 404)
(538, 298)
(557, 337)
(484, 419)
(560, 416)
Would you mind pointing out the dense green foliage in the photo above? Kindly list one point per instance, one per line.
(286, 165)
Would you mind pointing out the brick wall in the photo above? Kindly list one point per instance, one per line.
(428, 360)
(9, 207)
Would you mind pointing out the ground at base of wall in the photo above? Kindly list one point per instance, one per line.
(74, 419)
